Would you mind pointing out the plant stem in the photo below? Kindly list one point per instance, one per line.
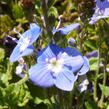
(96, 77)
(24, 79)
(104, 82)
(46, 18)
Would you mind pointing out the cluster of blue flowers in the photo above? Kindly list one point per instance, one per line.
(56, 66)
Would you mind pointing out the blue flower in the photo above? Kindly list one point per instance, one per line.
(101, 11)
(58, 67)
(24, 46)
(65, 30)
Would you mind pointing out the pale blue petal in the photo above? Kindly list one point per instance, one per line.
(48, 53)
(27, 51)
(85, 67)
(15, 55)
(40, 76)
(35, 32)
(101, 11)
(33, 25)
(32, 34)
(73, 60)
(65, 30)
(95, 19)
(106, 12)
(65, 80)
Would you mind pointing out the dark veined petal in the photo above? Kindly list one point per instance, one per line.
(48, 52)
(85, 67)
(65, 30)
(65, 80)
(102, 4)
(72, 59)
(40, 75)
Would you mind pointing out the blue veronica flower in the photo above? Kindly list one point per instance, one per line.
(65, 30)
(57, 66)
(24, 45)
(101, 11)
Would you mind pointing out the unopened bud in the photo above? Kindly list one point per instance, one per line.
(72, 42)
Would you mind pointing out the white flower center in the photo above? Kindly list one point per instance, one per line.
(55, 65)
(19, 69)
(24, 44)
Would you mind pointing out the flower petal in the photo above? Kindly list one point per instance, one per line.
(33, 25)
(65, 80)
(16, 54)
(101, 11)
(27, 51)
(65, 30)
(92, 54)
(85, 67)
(41, 76)
(102, 4)
(48, 52)
(32, 34)
(106, 12)
(95, 19)
(72, 59)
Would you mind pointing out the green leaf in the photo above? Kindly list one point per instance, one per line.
(17, 11)
(2, 53)
(93, 63)
(22, 21)
(6, 23)
(91, 105)
(104, 89)
(91, 44)
(53, 11)
(45, 101)
(50, 3)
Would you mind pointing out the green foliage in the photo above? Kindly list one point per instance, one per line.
(2, 53)
(14, 95)
(104, 89)
(6, 24)
(91, 44)
(21, 93)
(5, 72)
(17, 11)
(91, 105)
(53, 11)
(93, 64)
